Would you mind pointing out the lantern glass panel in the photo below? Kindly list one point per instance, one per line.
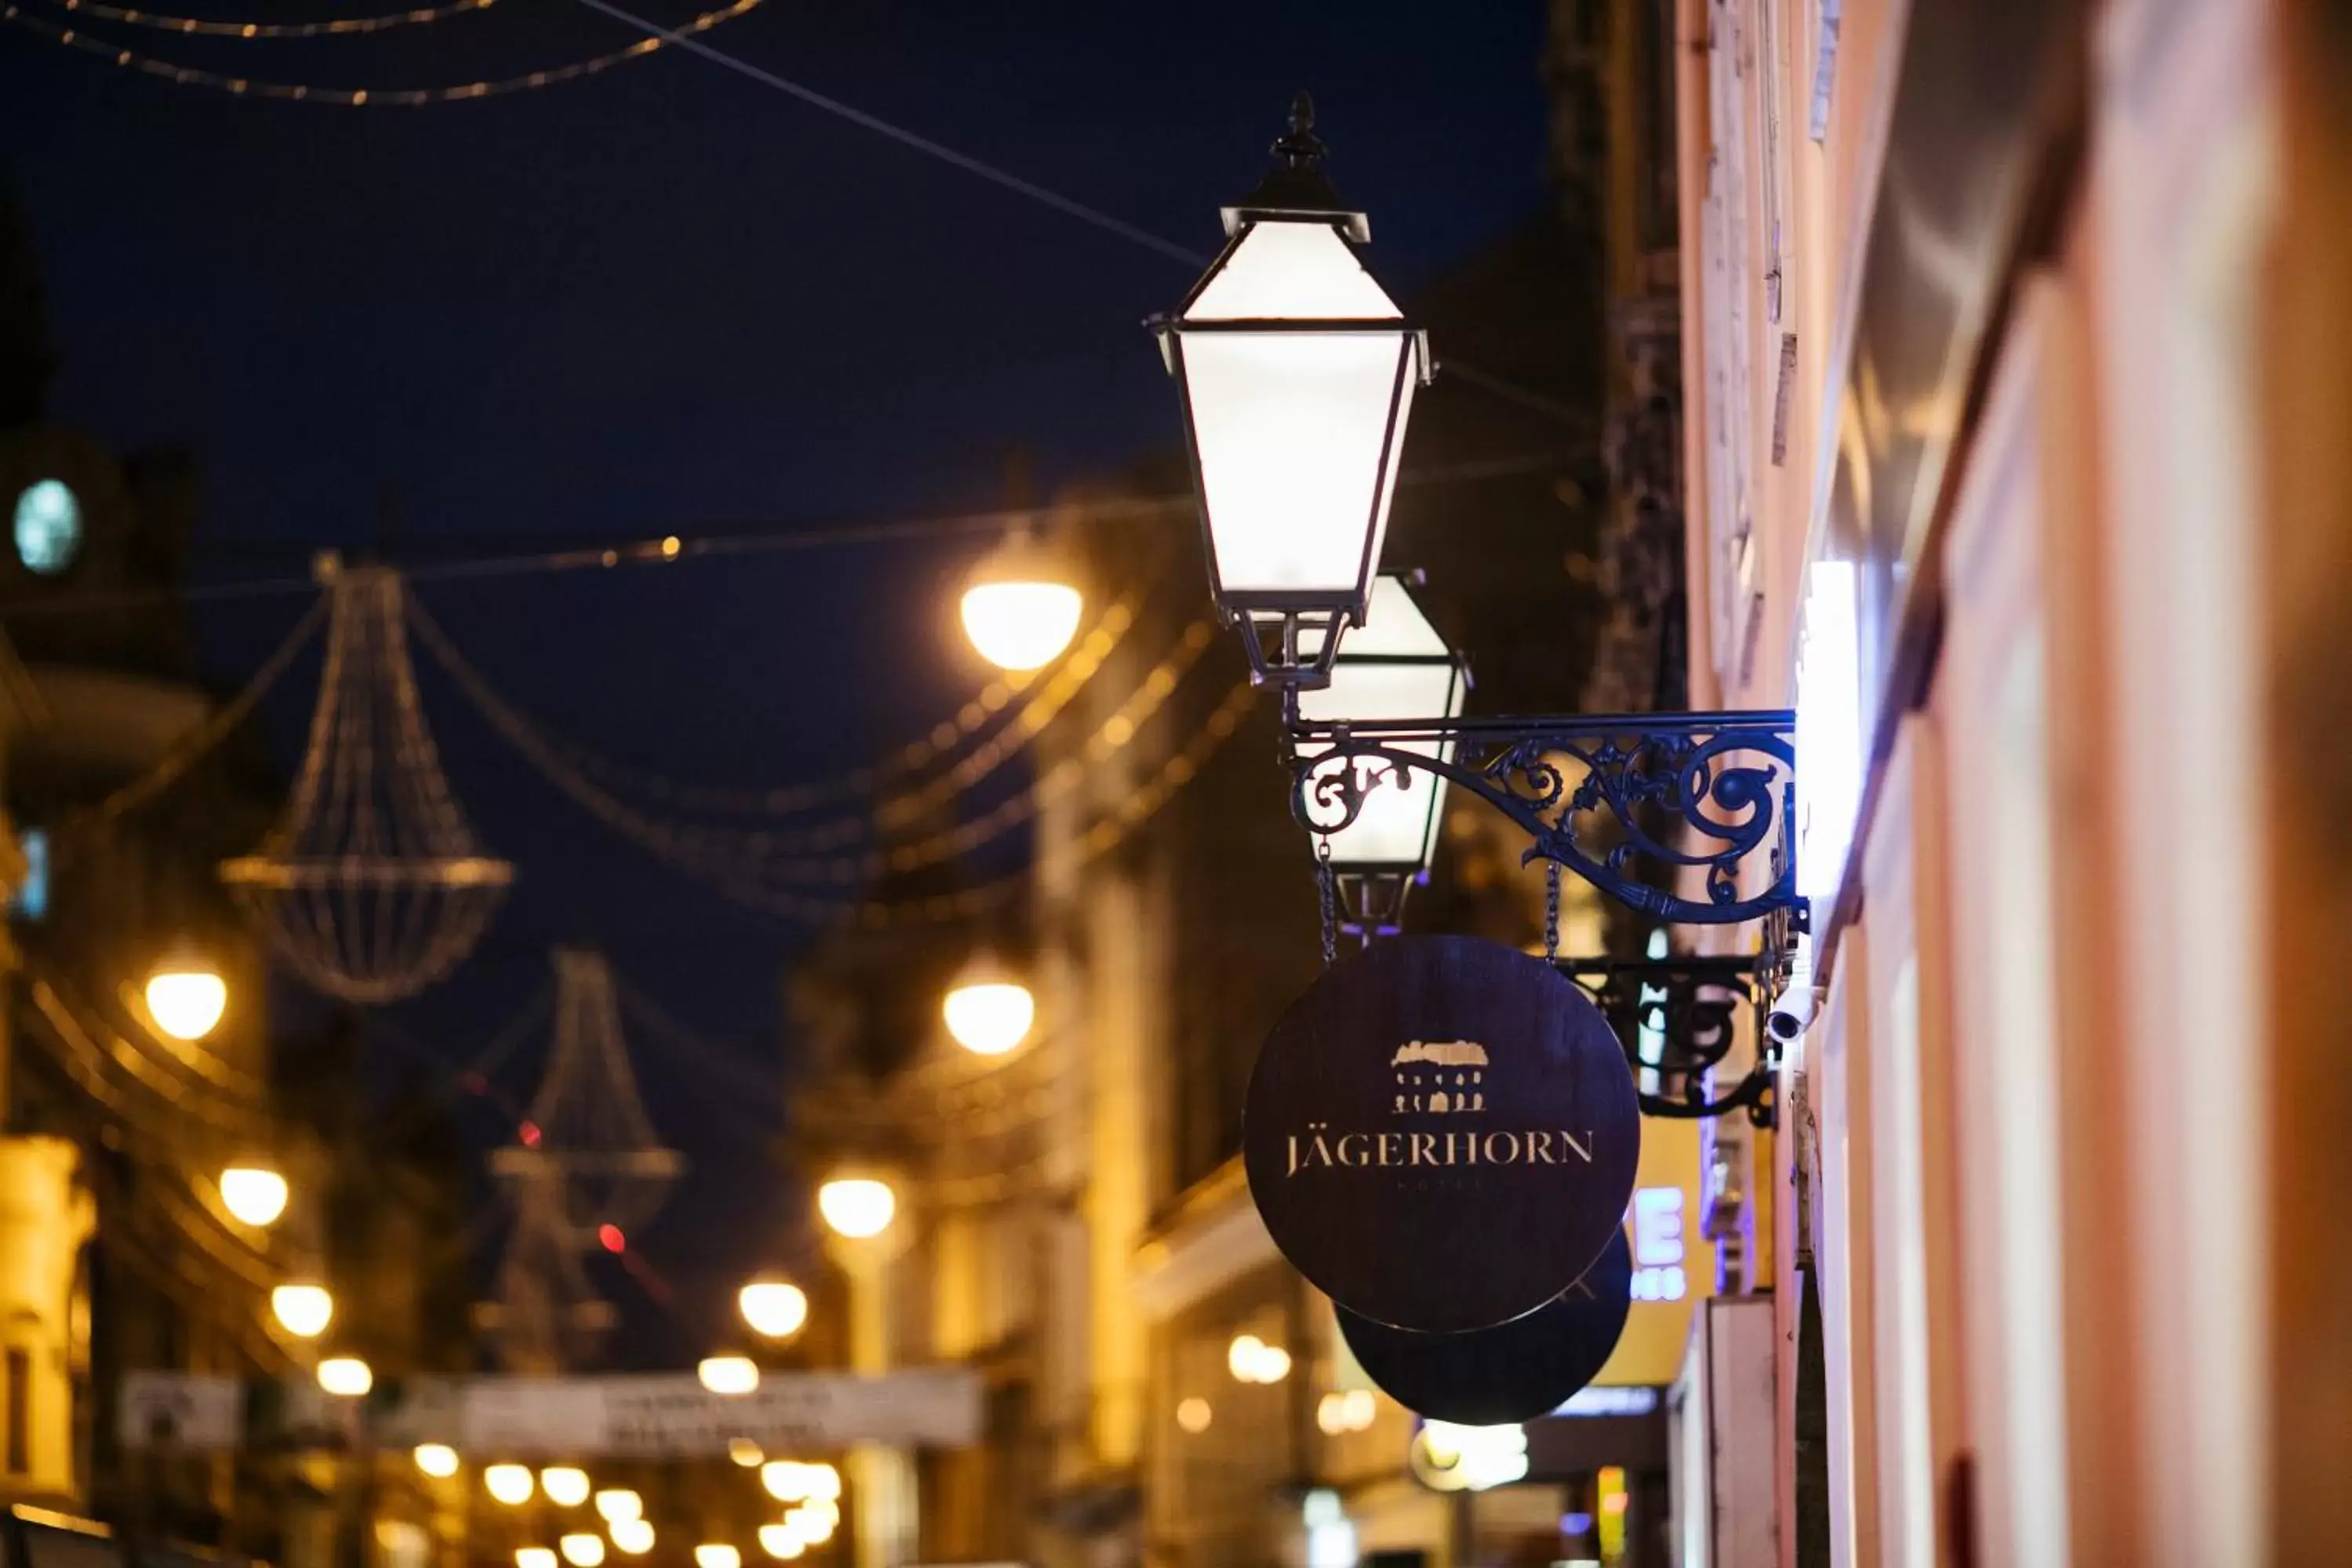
(1393, 666)
(1291, 432)
(1292, 272)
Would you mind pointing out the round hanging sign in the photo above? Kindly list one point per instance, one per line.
(1441, 1133)
(1514, 1371)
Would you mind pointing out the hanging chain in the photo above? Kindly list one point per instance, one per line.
(1327, 883)
(1551, 911)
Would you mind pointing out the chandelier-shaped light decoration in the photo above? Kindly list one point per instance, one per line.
(1297, 371)
(372, 886)
(586, 1169)
(1395, 667)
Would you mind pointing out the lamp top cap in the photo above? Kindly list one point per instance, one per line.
(1297, 187)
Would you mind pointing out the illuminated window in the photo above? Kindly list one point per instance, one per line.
(31, 899)
(48, 526)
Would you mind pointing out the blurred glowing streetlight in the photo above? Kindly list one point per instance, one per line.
(566, 1486)
(615, 1505)
(1017, 610)
(186, 997)
(744, 1452)
(717, 1554)
(345, 1376)
(302, 1309)
(779, 1541)
(824, 1482)
(858, 1207)
(776, 1309)
(1193, 1415)
(728, 1375)
(583, 1550)
(988, 1013)
(510, 1484)
(786, 1480)
(635, 1536)
(253, 1194)
(1252, 1360)
(535, 1557)
(436, 1460)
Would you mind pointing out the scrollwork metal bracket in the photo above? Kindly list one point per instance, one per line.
(1641, 805)
(1677, 1020)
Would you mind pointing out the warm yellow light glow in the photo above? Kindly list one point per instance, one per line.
(1021, 625)
(186, 997)
(302, 1309)
(635, 1536)
(988, 1017)
(1193, 1415)
(856, 1206)
(535, 1557)
(744, 1452)
(436, 1460)
(728, 1374)
(1252, 1360)
(614, 1504)
(583, 1550)
(786, 1479)
(814, 1521)
(566, 1486)
(345, 1376)
(1357, 1409)
(824, 1482)
(779, 1541)
(253, 1194)
(776, 1309)
(510, 1484)
(717, 1554)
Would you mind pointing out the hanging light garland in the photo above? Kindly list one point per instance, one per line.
(131, 16)
(355, 97)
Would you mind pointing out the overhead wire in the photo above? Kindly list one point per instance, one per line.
(670, 549)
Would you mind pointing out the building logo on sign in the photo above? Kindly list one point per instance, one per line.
(1439, 1078)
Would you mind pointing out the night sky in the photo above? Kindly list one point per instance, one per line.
(668, 300)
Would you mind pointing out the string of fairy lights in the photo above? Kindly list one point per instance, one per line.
(339, 27)
(67, 34)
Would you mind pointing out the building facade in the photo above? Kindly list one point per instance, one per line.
(2008, 345)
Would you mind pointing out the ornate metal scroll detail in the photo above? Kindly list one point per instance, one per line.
(1677, 1019)
(1677, 796)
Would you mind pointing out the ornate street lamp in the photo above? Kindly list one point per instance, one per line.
(1395, 667)
(1297, 373)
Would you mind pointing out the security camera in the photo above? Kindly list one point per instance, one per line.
(1784, 1025)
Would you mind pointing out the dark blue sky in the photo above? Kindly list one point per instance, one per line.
(670, 298)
